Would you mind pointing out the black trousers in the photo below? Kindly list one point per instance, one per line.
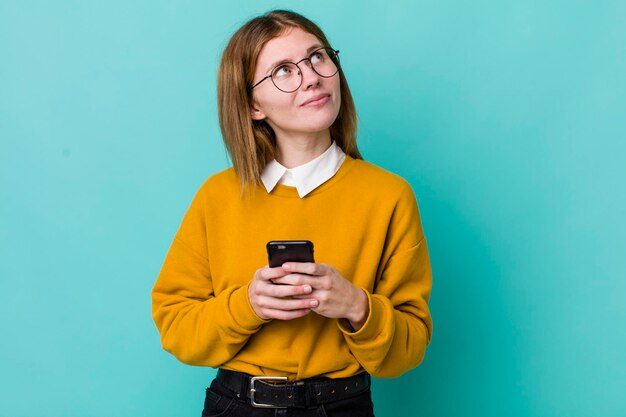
(222, 402)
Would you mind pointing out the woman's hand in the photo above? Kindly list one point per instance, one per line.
(337, 297)
(270, 300)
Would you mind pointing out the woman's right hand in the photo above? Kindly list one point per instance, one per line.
(275, 301)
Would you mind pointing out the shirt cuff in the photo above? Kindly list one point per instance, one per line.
(370, 328)
(243, 313)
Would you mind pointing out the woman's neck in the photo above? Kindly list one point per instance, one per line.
(298, 150)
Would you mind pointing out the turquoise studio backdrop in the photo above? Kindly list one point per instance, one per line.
(507, 117)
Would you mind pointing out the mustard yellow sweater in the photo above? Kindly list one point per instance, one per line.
(364, 221)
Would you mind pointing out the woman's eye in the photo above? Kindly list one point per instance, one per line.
(317, 57)
(282, 71)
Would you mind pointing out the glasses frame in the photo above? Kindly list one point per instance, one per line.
(334, 58)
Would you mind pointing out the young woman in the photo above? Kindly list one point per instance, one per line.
(301, 338)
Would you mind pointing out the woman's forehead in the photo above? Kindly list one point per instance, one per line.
(293, 44)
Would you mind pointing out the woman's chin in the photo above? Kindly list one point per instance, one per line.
(319, 122)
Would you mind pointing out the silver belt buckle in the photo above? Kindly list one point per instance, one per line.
(253, 390)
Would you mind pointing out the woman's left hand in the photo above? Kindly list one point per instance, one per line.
(337, 297)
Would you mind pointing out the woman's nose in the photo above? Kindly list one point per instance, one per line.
(309, 76)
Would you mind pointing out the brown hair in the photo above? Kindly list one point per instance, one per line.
(251, 144)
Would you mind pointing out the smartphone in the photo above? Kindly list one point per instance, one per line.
(281, 251)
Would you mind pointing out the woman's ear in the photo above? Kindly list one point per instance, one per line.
(256, 113)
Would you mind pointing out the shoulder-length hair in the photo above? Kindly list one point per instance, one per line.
(252, 144)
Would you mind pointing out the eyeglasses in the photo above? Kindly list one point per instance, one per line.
(287, 77)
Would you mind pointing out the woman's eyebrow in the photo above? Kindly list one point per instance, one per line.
(282, 61)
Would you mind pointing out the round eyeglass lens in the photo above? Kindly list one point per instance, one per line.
(287, 77)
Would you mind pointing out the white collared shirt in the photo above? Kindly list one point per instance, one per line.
(306, 177)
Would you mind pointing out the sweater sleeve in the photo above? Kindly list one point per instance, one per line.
(399, 326)
(197, 326)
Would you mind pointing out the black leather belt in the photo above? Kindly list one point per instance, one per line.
(277, 392)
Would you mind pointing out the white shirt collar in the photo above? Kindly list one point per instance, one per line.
(306, 177)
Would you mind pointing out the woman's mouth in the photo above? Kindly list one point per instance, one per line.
(316, 101)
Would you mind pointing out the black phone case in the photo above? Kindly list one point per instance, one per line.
(281, 251)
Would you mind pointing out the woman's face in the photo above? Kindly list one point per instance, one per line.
(291, 114)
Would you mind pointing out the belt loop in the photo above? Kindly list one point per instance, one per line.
(310, 394)
(244, 386)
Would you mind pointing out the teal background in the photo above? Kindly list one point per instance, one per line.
(507, 117)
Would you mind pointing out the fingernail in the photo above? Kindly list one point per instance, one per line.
(314, 303)
(307, 289)
(286, 266)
